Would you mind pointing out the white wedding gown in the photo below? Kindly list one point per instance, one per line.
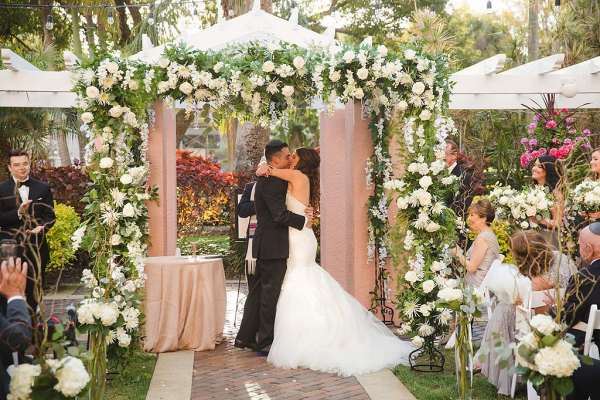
(319, 325)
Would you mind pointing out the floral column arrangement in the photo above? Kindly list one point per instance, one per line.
(115, 97)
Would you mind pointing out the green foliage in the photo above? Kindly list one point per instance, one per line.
(59, 236)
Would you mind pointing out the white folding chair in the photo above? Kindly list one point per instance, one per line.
(589, 348)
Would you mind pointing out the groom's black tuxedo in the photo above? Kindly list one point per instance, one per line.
(271, 249)
(40, 212)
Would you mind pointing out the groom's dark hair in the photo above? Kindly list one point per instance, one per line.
(274, 147)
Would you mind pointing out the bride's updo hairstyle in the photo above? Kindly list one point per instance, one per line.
(532, 254)
(308, 163)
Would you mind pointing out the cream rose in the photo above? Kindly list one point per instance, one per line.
(126, 179)
(349, 56)
(428, 286)
(186, 88)
(410, 54)
(92, 92)
(359, 94)
(163, 63)
(116, 111)
(381, 49)
(268, 66)
(425, 115)
(287, 91)
(128, 210)
(418, 88)
(87, 117)
(362, 73)
(106, 162)
(298, 62)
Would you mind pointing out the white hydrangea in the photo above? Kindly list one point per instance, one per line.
(544, 324)
(559, 360)
(108, 313)
(22, 381)
(72, 376)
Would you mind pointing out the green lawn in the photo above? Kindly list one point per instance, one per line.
(442, 386)
(133, 379)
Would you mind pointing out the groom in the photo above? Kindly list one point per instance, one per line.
(271, 249)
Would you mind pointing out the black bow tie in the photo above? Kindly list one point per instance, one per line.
(23, 183)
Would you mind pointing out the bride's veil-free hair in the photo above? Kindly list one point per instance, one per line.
(308, 163)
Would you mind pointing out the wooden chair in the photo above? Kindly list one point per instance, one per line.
(589, 348)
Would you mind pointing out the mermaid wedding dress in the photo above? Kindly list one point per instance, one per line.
(319, 325)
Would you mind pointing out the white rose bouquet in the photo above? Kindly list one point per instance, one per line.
(586, 196)
(64, 378)
(536, 201)
(545, 358)
(502, 197)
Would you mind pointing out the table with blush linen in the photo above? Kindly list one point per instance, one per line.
(186, 302)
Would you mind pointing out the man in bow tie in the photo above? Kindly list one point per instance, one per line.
(26, 214)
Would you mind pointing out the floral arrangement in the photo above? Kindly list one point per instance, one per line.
(586, 196)
(519, 207)
(64, 378)
(545, 358)
(552, 132)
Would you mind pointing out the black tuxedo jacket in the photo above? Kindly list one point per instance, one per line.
(582, 292)
(460, 203)
(40, 212)
(273, 219)
(246, 206)
(15, 335)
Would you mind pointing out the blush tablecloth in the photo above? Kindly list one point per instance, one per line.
(186, 303)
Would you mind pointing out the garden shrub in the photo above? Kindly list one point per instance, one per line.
(59, 236)
(69, 184)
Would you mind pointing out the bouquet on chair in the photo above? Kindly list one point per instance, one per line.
(546, 359)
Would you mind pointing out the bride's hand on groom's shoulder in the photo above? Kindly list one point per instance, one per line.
(263, 169)
(309, 212)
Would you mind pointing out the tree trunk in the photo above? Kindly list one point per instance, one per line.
(82, 142)
(135, 15)
(47, 33)
(5, 147)
(181, 125)
(250, 146)
(125, 30)
(90, 30)
(63, 149)
(76, 37)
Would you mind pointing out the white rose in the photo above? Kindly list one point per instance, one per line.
(72, 376)
(163, 63)
(362, 73)
(133, 85)
(418, 88)
(112, 67)
(349, 56)
(268, 66)
(87, 117)
(417, 341)
(437, 266)
(128, 210)
(432, 227)
(126, 179)
(425, 310)
(425, 115)
(218, 66)
(115, 240)
(411, 276)
(335, 76)
(359, 94)
(381, 49)
(428, 286)
(425, 182)
(447, 180)
(106, 162)
(410, 54)
(92, 92)
(287, 91)
(402, 203)
(116, 111)
(186, 88)
(298, 62)
(524, 225)
(450, 294)
(402, 105)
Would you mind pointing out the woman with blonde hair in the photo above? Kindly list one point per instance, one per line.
(485, 249)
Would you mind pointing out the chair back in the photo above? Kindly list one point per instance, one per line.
(592, 324)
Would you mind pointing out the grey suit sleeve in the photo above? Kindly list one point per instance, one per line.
(15, 328)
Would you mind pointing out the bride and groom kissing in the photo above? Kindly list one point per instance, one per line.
(296, 314)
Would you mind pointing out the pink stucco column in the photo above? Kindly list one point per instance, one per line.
(162, 156)
(345, 146)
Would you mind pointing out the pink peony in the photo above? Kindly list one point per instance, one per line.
(551, 124)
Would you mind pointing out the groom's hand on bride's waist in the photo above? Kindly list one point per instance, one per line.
(309, 212)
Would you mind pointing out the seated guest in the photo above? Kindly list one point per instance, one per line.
(583, 290)
(15, 326)
(485, 249)
(547, 268)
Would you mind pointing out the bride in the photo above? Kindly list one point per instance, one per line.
(318, 325)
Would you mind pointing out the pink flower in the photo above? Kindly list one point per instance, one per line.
(569, 119)
(567, 141)
(536, 117)
(530, 131)
(586, 146)
(586, 132)
(533, 142)
(551, 124)
(555, 140)
(532, 125)
(525, 160)
(555, 112)
(554, 152)
(564, 110)
(524, 140)
(543, 151)
(579, 138)
(573, 131)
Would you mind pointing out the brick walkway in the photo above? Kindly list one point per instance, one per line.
(231, 373)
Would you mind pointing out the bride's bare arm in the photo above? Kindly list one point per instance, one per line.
(290, 175)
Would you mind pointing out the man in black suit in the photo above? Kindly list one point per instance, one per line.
(26, 214)
(271, 249)
(459, 203)
(15, 323)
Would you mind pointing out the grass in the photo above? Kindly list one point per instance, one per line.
(205, 244)
(132, 381)
(442, 386)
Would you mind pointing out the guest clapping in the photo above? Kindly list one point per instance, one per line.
(485, 249)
